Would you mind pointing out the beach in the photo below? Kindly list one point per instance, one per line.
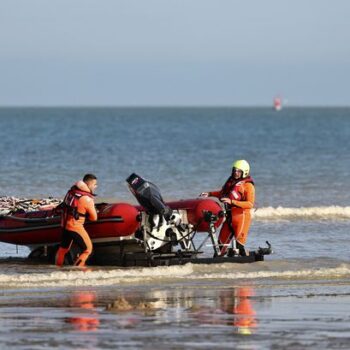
(298, 298)
(260, 306)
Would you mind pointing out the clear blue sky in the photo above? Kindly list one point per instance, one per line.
(174, 52)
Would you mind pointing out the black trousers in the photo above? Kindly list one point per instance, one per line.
(70, 236)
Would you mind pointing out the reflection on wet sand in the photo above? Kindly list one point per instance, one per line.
(239, 304)
(233, 307)
(123, 305)
(209, 316)
(84, 300)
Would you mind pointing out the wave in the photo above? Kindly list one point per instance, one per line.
(333, 272)
(76, 277)
(302, 213)
(190, 273)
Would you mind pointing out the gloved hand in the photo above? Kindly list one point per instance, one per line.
(204, 194)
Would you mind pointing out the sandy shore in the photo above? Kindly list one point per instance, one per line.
(171, 308)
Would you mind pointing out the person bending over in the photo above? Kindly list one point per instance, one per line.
(78, 204)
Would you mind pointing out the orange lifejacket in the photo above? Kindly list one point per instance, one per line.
(233, 189)
(238, 212)
(70, 204)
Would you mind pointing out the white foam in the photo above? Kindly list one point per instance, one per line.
(189, 272)
(302, 213)
(333, 272)
(64, 278)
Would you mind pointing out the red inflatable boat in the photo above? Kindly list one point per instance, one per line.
(154, 233)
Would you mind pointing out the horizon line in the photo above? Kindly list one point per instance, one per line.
(172, 106)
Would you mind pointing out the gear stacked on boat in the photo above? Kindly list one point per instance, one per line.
(10, 205)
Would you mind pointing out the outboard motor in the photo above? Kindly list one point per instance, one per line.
(148, 195)
(160, 224)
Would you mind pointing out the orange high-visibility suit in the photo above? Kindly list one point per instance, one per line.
(240, 220)
(73, 228)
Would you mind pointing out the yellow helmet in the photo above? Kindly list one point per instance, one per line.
(242, 165)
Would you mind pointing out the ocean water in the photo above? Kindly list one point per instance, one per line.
(298, 298)
(299, 157)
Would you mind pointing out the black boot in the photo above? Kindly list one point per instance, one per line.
(242, 250)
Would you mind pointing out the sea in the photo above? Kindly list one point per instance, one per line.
(298, 298)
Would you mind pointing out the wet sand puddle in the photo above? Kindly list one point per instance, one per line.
(187, 307)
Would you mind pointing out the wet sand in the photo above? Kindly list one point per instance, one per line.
(187, 307)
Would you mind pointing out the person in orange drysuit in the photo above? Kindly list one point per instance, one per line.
(78, 205)
(238, 194)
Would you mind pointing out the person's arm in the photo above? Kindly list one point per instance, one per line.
(250, 198)
(90, 208)
(216, 194)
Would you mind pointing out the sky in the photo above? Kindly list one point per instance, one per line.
(174, 52)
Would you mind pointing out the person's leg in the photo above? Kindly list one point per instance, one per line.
(65, 245)
(242, 233)
(225, 237)
(84, 242)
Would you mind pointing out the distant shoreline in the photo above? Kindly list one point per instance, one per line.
(172, 107)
